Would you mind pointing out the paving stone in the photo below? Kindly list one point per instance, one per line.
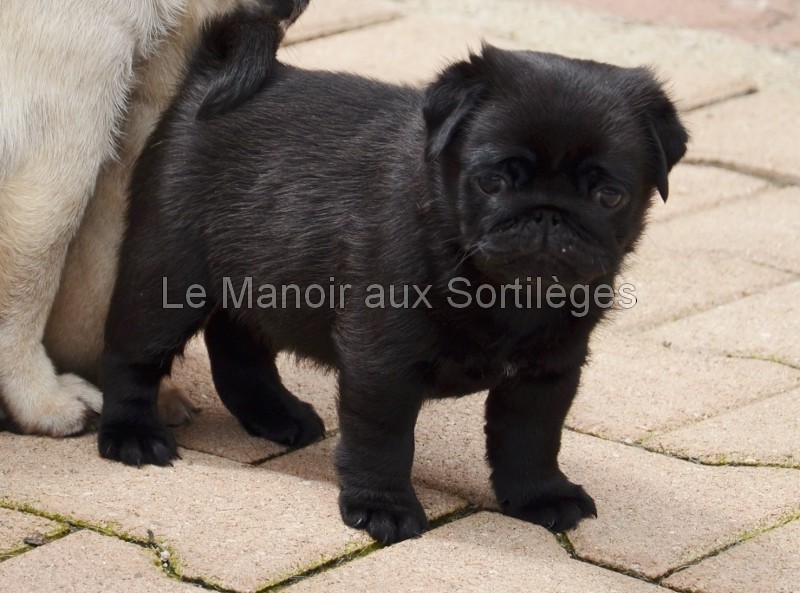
(671, 280)
(410, 50)
(632, 388)
(693, 88)
(763, 229)
(483, 552)
(322, 19)
(15, 527)
(712, 257)
(316, 463)
(85, 562)
(754, 133)
(233, 526)
(774, 21)
(656, 513)
(214, 430)
(764, 325)
(437, 41)
(769, 563)
(772, 435)
(562, 29)
(449, 456)
(693, 188)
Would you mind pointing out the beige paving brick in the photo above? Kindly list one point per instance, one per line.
(695, 87)
(632, 388)
(764, 325)
(15, 527)
(214, 430)
(755, 133)
(711, 257)
(410, 50)
(771, 436)
(763, 229)
(316, 463)
(86, 562)
(693, 188)
(231, 525)
(774, 21)
(393, 56)
(485, 552)
(326, 18)
(671, 280)
(769, 563)
(655, 513)
(554, 27)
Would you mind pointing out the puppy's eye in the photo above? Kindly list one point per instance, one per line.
(492, 183)
(608, 197)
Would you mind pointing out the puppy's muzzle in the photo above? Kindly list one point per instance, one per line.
(524, 233)
(541, 241)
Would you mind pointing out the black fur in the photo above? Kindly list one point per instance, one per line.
(238, 52)
(492, 173)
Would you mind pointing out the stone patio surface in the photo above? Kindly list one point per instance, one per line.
(687, 427)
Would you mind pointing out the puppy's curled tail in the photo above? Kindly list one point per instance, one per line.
(235, 57)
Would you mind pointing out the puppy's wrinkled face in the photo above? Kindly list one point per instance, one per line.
(552, 161)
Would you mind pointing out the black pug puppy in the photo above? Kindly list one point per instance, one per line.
(510, 167)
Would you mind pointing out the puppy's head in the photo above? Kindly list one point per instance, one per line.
(549, 163)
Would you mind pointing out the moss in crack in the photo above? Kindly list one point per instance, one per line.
(739, 540)
(163, 561)
(108, 529)
(722, 461)
(771, 358)
(359, 551)
(776, 178)
(563, 541)
(461, 513)
(61, 529)
(324, 565)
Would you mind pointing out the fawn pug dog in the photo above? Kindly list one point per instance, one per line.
(82, 83)
(510, 166)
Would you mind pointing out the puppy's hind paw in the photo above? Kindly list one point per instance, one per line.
(136, 444)
(297, 427)
(174, 406)
(558, 504)
(388, 517)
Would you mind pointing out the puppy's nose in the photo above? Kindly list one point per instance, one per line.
(546, 218)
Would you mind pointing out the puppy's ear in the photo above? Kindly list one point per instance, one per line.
(449, 100)
(668, 137)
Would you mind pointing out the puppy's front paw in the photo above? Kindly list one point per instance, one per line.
(298, 427)
(556, 504)
(388, 517)
(136, 443)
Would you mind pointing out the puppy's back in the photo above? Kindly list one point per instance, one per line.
(274, 139)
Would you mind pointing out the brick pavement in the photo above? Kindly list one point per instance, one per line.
(685, 430)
